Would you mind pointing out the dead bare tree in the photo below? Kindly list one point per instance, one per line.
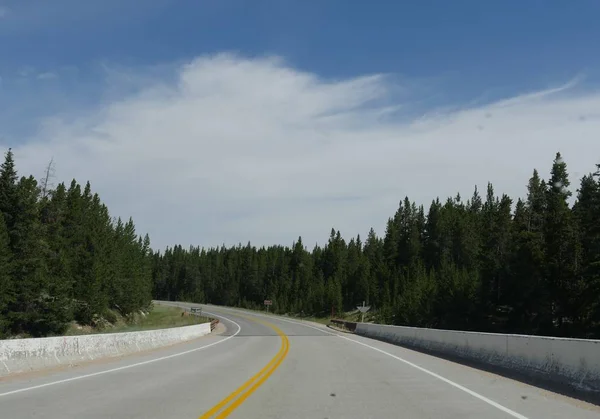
(46, 182)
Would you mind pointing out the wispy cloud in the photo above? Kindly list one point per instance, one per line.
(230, 149)
(30, 71)
(26, 71)
(3, 12)
(46, 76)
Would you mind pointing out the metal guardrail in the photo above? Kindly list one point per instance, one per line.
(197, 311)
(350, 326)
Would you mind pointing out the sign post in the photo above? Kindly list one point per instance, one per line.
(363, 309)
(196, 310)
(268, 303)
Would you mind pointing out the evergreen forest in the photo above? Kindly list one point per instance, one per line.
(491, 263)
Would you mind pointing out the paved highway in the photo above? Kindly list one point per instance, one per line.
(260, 366)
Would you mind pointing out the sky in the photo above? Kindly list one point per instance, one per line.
(222, 122)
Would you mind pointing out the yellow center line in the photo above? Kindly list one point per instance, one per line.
(250, 386)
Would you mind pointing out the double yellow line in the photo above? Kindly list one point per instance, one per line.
(235, 399)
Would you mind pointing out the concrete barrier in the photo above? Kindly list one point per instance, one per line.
(21, 355)
(570, 366)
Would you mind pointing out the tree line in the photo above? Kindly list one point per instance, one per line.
(63, 258)
(489, 264)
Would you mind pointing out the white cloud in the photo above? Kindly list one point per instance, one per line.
(3, 12)
(237, 149)
(26, 71)
(46, 76)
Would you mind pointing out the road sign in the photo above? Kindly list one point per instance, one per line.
(268, 303)
(363, 309)
(196, 310)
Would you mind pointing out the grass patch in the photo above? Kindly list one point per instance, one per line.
(160, 317)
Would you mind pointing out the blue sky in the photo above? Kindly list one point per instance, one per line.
(66, 64)
(494, 42)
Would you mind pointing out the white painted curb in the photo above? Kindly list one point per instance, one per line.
(21, 355)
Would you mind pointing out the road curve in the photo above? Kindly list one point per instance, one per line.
(272, 367)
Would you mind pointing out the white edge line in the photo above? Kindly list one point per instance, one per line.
(79, 377)
(433, 374)
(447, 381)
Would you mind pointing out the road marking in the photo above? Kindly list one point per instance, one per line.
(250, 386)
(80, 377)
(447, 381)
(431, 373)
(275, 317)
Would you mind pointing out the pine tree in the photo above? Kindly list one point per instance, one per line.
(8, 192)
(8, 211)
(416, 304)
(432, 254)
(373, 253)
(562, 251)
(587, 214)
(28, 312)
(6, 285)
(58, 278)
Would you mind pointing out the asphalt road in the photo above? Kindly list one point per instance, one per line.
(270, 367)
